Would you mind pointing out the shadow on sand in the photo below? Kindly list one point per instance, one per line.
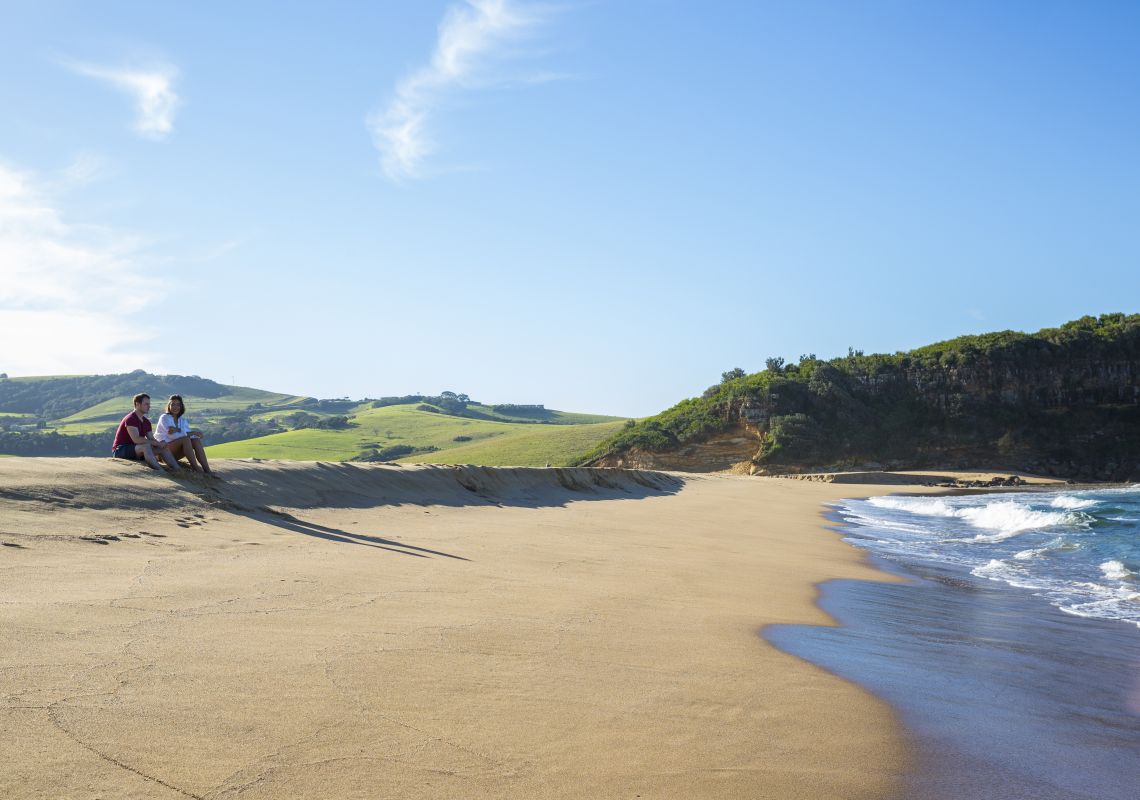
(280, 519)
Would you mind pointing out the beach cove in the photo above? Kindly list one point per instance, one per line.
(306, 629)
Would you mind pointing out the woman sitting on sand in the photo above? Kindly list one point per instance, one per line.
(182, 442)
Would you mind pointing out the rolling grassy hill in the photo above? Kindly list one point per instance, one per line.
(238, 399)
(536, 446)
(492, 442)
(76, 414)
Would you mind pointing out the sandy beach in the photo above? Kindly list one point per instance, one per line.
(367, 631)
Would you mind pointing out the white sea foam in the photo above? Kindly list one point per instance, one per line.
(926, 506)
(1005, 517)
(1060, 544)
(994, 568)
(1006, 572)
(1081, 598)
(978, 532)
(1111, 604)
(1009, 518)
(1072, 503)
(1115, 570)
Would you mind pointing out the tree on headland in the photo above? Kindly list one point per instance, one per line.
(732, 374)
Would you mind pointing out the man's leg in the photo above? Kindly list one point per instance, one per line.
(168, 457)
(145, 452)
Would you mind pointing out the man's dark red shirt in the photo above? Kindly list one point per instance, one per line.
(122, 436)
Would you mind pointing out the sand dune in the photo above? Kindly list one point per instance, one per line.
(367, 631)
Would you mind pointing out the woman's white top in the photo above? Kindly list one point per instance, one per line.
(170, 428)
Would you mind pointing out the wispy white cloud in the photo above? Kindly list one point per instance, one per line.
(152, 90)
(71, 295)
(86, 167)
(474, 38)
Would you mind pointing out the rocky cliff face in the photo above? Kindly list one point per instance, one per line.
(1079, 382)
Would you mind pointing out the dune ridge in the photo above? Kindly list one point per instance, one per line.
(255, 485)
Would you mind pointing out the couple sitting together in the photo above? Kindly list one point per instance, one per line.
(172, 441)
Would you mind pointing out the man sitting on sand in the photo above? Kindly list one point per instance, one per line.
(133, 439)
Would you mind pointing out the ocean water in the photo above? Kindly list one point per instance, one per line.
(1010, 652)
(1079, 550)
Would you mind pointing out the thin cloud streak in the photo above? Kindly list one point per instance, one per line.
(472, 38)
(71, 292)
(152, 90)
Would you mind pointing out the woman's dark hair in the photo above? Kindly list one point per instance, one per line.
(170, 403)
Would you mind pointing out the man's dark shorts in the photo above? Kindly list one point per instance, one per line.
(126, 451)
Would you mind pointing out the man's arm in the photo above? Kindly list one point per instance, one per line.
(138, 438)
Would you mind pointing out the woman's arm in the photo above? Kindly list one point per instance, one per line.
(168, 423)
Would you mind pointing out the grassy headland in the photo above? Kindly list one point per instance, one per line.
(1062, 401)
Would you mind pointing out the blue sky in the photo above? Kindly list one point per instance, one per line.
(598, 206)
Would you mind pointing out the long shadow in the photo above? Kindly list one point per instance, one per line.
(290, 523)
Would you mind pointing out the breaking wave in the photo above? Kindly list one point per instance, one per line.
(1079, 549)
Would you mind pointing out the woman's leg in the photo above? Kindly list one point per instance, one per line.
(180, 448)
(200, 451)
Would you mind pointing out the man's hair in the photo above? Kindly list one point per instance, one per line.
(140, 397)
(170, 404)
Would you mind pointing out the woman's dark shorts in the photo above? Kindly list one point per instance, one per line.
(126, 451)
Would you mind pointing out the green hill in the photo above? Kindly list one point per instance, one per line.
(75, 415)
(382, 434)
(1062, 401)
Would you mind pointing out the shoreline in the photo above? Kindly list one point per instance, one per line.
(363, 631)
(1000, 692)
